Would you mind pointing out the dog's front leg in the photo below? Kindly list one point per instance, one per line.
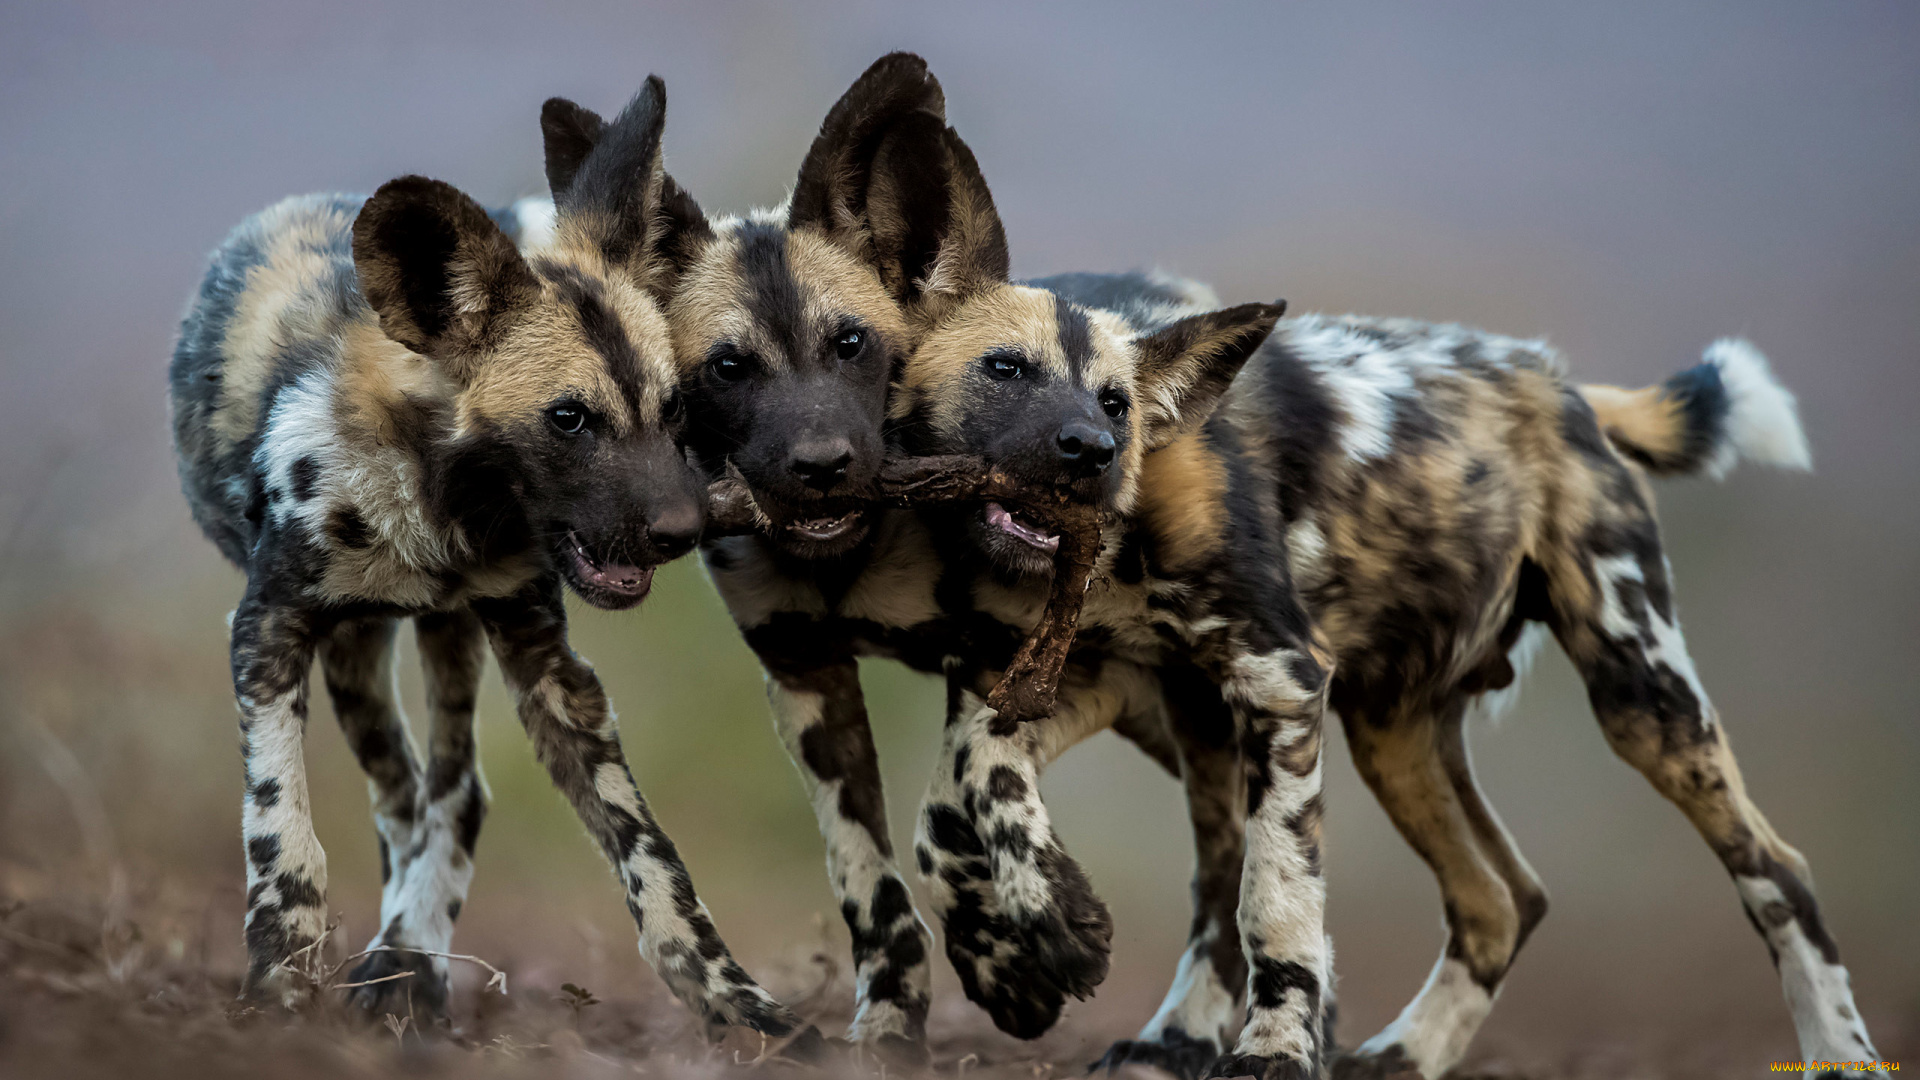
(813, 685)
(566, 714)
(1278, 699)
(1024, 928)
(272, 650)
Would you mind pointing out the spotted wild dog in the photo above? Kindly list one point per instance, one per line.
(1369, 519)
(871, 243)
(783, 335)
(1382, 516)
(383, 410)
(786, 333)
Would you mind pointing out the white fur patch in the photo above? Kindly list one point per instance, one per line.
(423, 894)
(1668, 646)
(1819, 994)
(1196, 1003)
(1763, 422)
(1436, 1026)
(534, 222)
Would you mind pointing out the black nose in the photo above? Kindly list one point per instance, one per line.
(1085, 449)
(822, 465)
(674, 531)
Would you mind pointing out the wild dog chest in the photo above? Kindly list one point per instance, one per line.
(348, 517)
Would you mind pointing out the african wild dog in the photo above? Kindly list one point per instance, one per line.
(1394, 511)
(383, 410)
(893, 196)
(783, 335)
(786, 333)
(1369, 520)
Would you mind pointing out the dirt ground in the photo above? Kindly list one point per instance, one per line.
(146, 987)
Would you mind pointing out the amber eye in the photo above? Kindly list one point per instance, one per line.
(1115, 403)
(847, 344)
(568, 418)
(1004, 366)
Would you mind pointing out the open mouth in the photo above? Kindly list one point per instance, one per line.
(1024, 531)
(619, 581)
(825, 528)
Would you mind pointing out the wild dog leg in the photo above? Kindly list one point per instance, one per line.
(1043, 921)
(356, 659)
(1415, 760)
(434, 868)
(272, 651)
(566, 714)
(990, 954)
(1278, 698)
(1190, 1029)
(1615, 618)
(813, 685)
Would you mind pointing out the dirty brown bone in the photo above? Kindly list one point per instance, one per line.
(1027, 690)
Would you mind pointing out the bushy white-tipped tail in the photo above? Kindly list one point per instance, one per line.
(1763, 421)
(1705, 419)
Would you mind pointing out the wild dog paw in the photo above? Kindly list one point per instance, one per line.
(1174, 1052)
(279, 987)
(1260, 1067)
(1389, 1064)
(1070, 941)
(811, 1047)
(398, 983)
(898, 1052)
(1004, 983)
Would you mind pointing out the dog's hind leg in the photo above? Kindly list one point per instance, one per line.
(356, 661)
(1192, 1026)
(1614, 615)
(272, 650)
(1415, 760)
(430, 857)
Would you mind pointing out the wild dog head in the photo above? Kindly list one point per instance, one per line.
(1051, 392)
(786, 329)
(565, 407)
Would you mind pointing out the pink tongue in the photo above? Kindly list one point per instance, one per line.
(621, 578)
(1001, 519)
(614, 577)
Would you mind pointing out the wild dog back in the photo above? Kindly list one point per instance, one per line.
(279, 298)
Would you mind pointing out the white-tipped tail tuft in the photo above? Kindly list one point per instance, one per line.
(1762, 421)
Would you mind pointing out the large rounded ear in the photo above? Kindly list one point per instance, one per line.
(570, 133)
(957, 218)
(1186, 367)
(890, 182)
(610, 191)
(894, 95)
(438, 271)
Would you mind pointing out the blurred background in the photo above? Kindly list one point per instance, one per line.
(1627, 180)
